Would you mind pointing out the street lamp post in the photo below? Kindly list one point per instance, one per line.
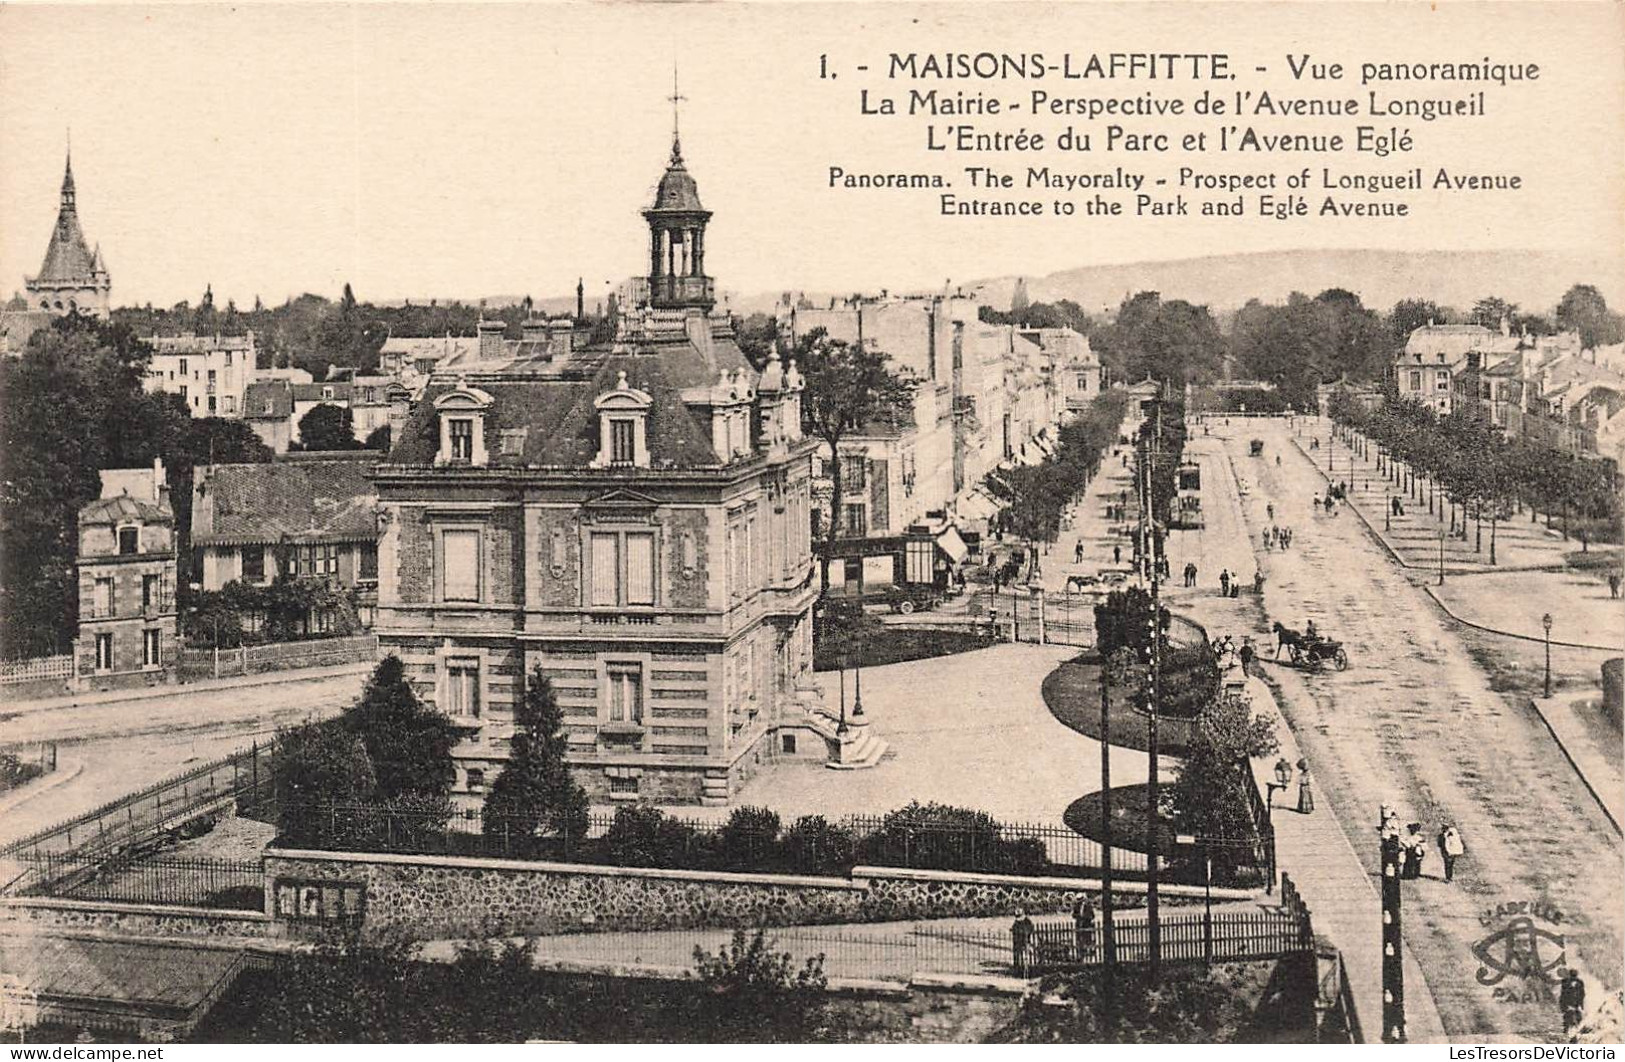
(1387, 511)
(1441, 558)
(857, 688)
(1546, 625)
(840, 729)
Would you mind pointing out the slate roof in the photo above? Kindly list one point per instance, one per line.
(553, 403)
(314, 392)
(122, 507)
(277, 392)
(328, 499)
(117, 974)
(677, 190)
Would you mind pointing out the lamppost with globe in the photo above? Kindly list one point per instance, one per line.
(1546, 625)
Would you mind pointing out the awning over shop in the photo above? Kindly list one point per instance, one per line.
(974, 505)
(951, 544)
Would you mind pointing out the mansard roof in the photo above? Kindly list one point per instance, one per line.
(303, 499)
(552, 407)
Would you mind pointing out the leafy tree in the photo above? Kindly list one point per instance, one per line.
(943, 837)
(643, 836)
(408, 743)
(749, 839)
(758, 337)
(1491, 311)
(315, 766)
(1209, 798)
(1584, 310)
(380, 438)
(1410, 314)
(814, 845)
(1172, 342)
(535, 790)
(848, 388)
(328, 427)
(749, 980)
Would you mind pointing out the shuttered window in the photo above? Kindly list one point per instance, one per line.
(640, 569)
(462, 562)
(606, 564)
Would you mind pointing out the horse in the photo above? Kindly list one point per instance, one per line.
(1079, 582)
(1286, 636)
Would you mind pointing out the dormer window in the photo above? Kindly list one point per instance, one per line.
(461, 433)
(623, 426)
(462, 413)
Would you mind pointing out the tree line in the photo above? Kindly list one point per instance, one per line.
(1462, 463)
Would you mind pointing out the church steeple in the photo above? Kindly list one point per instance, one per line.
(68, 197)
(677, 223)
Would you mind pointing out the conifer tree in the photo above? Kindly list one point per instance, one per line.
(535, 790)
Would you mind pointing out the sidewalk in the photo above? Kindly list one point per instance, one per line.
(1531, 580)
(1343, 899)
(267, 678)
(1596, 762)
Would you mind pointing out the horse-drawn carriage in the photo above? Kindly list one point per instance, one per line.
(1309, 649)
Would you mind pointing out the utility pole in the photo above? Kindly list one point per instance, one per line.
(1108, 931)
(1153, 794)
(1393, 952)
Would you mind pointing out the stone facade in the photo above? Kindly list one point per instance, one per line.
(126, 571)
(447, 897)
(631, 516)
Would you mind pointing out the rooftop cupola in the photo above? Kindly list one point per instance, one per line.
(677, 223)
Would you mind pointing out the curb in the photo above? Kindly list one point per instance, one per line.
(1512, 634)
(1428, 588)
(63, 774)
(264, 678)
(1579, 773)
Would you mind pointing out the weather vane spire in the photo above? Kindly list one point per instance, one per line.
(676, 98)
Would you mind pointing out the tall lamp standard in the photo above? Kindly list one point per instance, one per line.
(1441, 558)
(841, 665)
(1387, 511)
(1546, 624)
(857, 687)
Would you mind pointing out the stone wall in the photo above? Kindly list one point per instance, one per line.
(150, 920)
(428, 897)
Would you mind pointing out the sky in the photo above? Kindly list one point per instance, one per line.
(464, 151)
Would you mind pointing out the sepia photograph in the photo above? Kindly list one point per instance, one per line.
(863, 522)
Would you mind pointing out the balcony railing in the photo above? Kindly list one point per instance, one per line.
(681, 289)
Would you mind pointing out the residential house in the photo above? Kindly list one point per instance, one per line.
(1434, 355)
(268, 409)
(304, 516)
(210, 373)
(126, 572)
(631, 516)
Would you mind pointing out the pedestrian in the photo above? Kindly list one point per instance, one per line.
(1258, 581)
(1077, 553)
(1269, 539)
(1247, 653)
(1390, 823)
(1083, 927)
(1450, 850)
(1235, 586)
(1306, 792)
(1613, 584)
(1417, 849)
(1021, 936)
(1117, 553)
(1277, 460)
(1572, 998)
(1270, 510)
(1224, 583)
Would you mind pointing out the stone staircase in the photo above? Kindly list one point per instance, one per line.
(859, 750)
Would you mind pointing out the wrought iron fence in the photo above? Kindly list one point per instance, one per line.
(244, 777)
(812, 845)
(189, 881)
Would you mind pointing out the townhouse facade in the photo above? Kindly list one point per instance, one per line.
(126, 572)
(633, 517)
(211, 374)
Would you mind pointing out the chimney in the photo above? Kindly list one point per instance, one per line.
(533, 330)
(491, 339)
(160, 482)
(560, 337)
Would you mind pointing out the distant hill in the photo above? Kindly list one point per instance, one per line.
(1534, 280)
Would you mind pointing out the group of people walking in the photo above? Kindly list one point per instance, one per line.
(1413, 845)
(1277, 536)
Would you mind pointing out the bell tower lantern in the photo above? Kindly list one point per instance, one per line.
(677, 222)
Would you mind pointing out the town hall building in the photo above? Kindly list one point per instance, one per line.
(73, 278)
(634, 516)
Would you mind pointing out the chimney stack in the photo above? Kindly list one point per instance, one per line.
(491, 339)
